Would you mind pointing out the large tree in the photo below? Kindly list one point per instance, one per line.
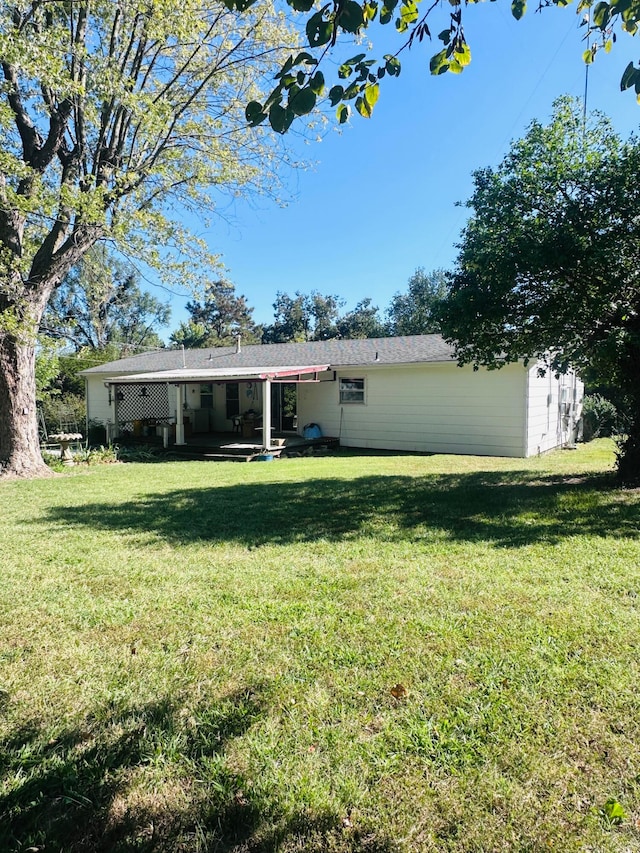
(114, 112)
(303, 317)
(363, 321)
(414, 312)
(549, 264)
(100, 302)
(217, 318)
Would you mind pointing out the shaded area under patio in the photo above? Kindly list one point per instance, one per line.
(229, 446)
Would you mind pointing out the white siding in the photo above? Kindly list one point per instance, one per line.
(98, 407)
(439, 408)
(431, 408)
(554, 407)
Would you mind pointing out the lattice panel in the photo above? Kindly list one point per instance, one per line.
(141, 402)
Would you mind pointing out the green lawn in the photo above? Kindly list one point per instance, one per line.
(200, 656)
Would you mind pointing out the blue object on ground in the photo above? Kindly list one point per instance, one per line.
(311, 431)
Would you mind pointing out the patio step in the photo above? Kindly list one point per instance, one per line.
(225, 457)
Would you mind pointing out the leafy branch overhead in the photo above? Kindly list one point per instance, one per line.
(300, 82)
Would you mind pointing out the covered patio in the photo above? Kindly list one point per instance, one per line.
(159, 406)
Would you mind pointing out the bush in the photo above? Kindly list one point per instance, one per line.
(64, 411)
(101, 455)
(83, 456)
(599, 417)
(142, 453)
(53, 461)
(96, 433)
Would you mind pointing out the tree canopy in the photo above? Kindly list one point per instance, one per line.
(100, 302)
(303, 317)
(116, 117)
(414, 312)
(361, 322)
(549, 261)
(217, 318)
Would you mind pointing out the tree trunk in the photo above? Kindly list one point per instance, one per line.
(627, 378)
(20, 454)
(19, 438)
(628, 463)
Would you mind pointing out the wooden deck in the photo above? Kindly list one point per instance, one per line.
(231, 447)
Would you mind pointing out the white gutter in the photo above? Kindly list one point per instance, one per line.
(211, 374)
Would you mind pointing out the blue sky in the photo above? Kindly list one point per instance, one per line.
(380, 196)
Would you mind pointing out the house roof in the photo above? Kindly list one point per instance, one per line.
(266, 358)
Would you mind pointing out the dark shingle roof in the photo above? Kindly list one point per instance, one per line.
(412, 349)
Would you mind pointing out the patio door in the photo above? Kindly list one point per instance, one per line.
(284, 402)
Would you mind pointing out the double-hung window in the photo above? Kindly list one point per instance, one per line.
(351, 391)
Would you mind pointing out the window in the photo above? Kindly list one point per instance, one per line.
(352, 390)
(233, 400)
(206, 396)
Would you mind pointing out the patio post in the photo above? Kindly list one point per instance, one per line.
(115, 403)
(179, 416)
(266, 414)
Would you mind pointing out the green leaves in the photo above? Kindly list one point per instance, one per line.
(316, 84)
(387, 11)
(613, 812)
(439, 64)
(301, 5)
(631, 79)
(370, 10)
(408, 16)
(280, 118)
(343, 113)
(302, 101)
(318, 30)
(325, 25)
(366, 103)
(336, 94)
(462, 54)
(454, 58)
(350, 17)
(601, 15)
(239, 5)
(302, 89)
(392, 65)
(346, 69)
(518, 8)
(254, 114)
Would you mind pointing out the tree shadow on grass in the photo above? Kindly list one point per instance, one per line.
(507, 509)
(77, 791)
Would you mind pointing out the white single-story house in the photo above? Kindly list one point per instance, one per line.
(404, 393)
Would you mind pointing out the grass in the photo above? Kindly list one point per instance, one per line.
(200, 657)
